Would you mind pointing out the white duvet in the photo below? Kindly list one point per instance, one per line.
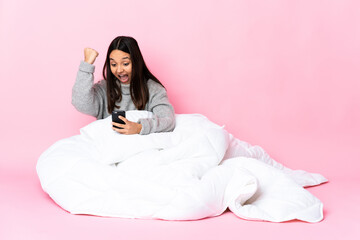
(198, 170)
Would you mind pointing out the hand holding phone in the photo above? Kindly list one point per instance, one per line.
(115, 117)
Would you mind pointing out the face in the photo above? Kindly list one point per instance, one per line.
(120, 65)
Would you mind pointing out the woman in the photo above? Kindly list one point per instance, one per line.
(128, 85)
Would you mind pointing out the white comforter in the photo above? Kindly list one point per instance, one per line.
(197, 171)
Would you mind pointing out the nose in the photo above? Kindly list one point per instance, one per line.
(119, 69)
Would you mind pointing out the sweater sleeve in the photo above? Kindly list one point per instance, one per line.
(163, 112)
(87, 97)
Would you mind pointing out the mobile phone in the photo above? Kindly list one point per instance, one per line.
(115, 117)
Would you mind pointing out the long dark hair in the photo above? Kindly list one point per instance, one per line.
(140, 74)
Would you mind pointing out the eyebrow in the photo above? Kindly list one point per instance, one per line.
(122, 58)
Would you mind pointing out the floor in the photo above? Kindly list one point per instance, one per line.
(26, 212)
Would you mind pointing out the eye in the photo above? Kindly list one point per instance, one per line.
(113, 65)
(126, 64)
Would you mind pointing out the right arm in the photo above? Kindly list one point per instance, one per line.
(87, 97)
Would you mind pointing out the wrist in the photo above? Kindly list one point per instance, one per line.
(89, 61)
(139, 128)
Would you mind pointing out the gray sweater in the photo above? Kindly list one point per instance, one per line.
(91, 99)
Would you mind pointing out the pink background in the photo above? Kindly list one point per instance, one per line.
(281, 74)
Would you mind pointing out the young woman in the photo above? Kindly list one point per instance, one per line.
(128, 85)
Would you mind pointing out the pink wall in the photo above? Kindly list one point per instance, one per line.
(280, 74)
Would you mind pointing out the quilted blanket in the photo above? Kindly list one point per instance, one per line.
(197, 171)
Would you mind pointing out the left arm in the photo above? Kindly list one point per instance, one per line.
(164, 115)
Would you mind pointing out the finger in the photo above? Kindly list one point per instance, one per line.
(122, 118)
(121, 131)
(118, 124)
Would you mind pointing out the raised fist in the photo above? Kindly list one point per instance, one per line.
(90, 55)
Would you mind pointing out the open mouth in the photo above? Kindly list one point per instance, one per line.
(123, 78)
